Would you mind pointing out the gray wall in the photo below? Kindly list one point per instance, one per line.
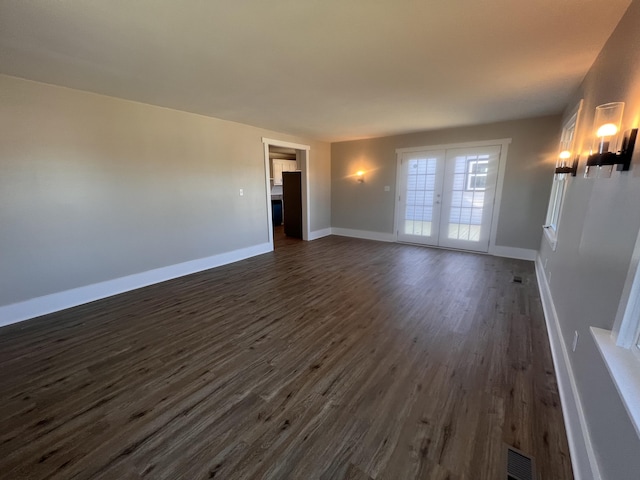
(598, 229)
(526, 188)
(93, 188)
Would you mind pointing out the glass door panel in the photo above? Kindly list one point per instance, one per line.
(469, 189)
(420, 197)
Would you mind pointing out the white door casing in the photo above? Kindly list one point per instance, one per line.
(302, 155)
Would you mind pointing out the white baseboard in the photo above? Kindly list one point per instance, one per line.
(513, 252)
(325, 232)
(54, 302)
(583, 458)
(498, 251)
(364, 234)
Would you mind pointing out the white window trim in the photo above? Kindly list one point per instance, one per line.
(619, 347)
(551, 227)
(560, 183)
(624, 368)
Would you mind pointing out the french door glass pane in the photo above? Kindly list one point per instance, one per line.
(421, 181)
(467, 197)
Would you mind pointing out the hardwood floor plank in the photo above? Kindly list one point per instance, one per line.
(333, 359)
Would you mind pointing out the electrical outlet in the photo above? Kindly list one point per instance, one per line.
(575, 341)
(387, 188)
(241, 192)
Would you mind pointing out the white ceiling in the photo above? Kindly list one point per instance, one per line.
(328, 69)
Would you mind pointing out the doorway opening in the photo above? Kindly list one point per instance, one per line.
(449, 196)
(287, 185)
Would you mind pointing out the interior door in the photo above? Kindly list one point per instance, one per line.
(446, 197)
(421, 177)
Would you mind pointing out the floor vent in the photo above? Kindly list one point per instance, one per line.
(519, 465)
(517, 279)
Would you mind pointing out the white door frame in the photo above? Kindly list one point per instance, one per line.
(497, 200)
(302, 155)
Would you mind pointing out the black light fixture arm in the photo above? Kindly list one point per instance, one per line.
(573, 169)
(622, 159)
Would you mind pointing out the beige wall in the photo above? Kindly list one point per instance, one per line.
(598, 229)
(526, 187)
(94, 188)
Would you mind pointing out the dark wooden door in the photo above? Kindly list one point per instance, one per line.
(292, 200)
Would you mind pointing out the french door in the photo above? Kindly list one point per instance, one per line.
(446, 197)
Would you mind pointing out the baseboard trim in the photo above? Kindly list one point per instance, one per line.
(498, 251)
(514, 252)
(325, 232)
(364, 234)
(583, 458)
(35, 307)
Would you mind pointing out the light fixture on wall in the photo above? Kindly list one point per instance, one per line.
(562, 165)
(606, 151)
(360, 176)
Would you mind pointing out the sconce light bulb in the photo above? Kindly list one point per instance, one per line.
(359, 173)
(607, 130)
(565, 154)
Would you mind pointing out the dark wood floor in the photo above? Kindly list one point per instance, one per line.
(281, 240)
(332, 359)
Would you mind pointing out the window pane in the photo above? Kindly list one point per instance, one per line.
(555, 203)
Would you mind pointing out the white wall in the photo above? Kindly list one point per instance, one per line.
(598, 229)
(94, 188)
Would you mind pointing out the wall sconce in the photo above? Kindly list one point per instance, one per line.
(562, 165)
(604, 151)
(360, 176)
